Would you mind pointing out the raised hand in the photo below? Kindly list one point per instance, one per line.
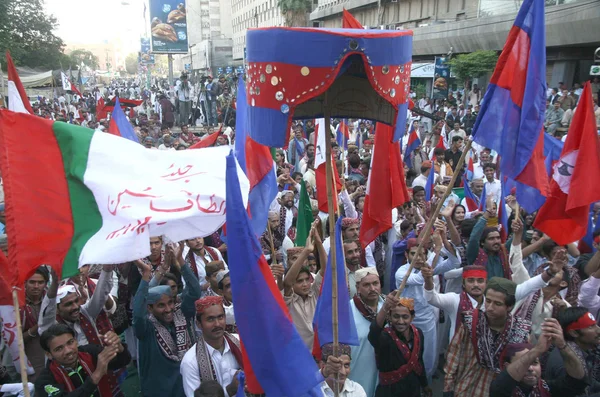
(145, 269)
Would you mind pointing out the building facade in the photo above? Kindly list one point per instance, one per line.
(210, 36)
(463, 26)
(252, 14)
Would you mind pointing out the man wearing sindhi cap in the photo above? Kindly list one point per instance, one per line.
(216, 354)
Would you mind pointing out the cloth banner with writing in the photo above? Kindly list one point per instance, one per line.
(83, 197)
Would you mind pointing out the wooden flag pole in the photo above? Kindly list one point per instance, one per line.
(22, 356)
(332, 249)
(427, 229)
(273, 255)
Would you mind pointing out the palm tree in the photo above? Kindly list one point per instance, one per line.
(295, 11)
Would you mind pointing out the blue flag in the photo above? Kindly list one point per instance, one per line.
(430, 184)
(483, 200)
(119, 125)
(279, 358)
(323, 320)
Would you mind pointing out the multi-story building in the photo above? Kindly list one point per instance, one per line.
(252, 14)
(463, 26)
(209, 35)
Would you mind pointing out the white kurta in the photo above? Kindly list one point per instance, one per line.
(363, 369)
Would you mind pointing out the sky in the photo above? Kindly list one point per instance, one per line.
(96, 21)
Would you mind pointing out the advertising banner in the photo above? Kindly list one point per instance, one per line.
(168, 26)
(440, 78)
(146, 57)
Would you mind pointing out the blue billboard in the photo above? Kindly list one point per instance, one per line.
(146, 57)
(168, 26)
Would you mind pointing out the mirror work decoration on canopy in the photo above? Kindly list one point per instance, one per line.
(366, 74)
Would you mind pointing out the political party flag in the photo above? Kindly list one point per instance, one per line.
(512, 111)
(386, 187)
(342, 133)
(103, 196)
(430, 184)
(471, 200)
(442, 142)
(470, 169)
(483, 200)
(17, 97)
(66, 84)
(209, 140)
(586, 244)
(320, 167)
(305, 216)
(413, 143)
(564, 216)
(323, 321)
(101, 111)
(349, 21)
(120, 126)
(257, 162)
(280, 361)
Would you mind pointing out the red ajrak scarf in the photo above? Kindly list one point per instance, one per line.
(540, 390)
(412, 358)
(87, 363)
(482, 259)
(488, 346)
(464, 305)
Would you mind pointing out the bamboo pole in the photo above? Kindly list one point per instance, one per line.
(273, 254)
(332, 249)
(427, 229)
(23, 358)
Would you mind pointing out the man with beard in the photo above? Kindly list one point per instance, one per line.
(365, 305)
(198, 256)
(352, 256)
(473, 356)
(284, 205)
(485, 247)
(582, 335)
(75, 370)
(281, 242)
(351, 231)
(216, 354)
(339, 365)
(163, 333)
(399, 350)
(426, 316)
(35, 288)
(522, 373)
(310, 155)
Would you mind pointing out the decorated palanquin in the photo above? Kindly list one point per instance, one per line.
(294, 73)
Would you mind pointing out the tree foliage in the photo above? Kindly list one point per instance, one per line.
(131, 63)
(295, 12)
(86, 57)
(473, 65)
(28, 33)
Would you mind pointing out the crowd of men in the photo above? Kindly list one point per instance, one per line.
(488, 316)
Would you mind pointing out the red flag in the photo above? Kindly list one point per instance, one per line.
(349, 22)
(17, 97)
(386, 188)
(564, 216)
(74, 89)
(320, 167)
(207, 141)
(101, 111)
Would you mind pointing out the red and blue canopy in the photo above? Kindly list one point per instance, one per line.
(290, 67)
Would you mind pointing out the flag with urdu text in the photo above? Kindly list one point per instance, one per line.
(83, 197)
